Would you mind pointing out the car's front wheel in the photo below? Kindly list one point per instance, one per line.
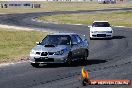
(35, 64)
(86, 53)
(91, 38)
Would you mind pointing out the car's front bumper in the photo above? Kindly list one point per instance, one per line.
(101, 35)
(48, 59)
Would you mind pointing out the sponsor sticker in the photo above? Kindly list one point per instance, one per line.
(87, 81)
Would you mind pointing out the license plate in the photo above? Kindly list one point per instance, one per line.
(44, 58)
(101, 35)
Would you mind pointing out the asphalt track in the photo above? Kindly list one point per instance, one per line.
(108, 59)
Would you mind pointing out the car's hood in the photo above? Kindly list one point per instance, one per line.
(43, 48)
(100, 29)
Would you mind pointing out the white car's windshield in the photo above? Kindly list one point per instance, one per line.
(101, 24)
(56, 40)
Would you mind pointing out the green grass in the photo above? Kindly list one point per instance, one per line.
(67, 6)
(115, 18)
(14, 45)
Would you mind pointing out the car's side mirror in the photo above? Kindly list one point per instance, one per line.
(37, 43)
(89, 26)
(111, 25)
(83, 37)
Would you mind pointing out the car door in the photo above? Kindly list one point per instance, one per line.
(80, 46)
(75, 47)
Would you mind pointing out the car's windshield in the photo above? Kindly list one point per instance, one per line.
(101, 24)
(56, 40)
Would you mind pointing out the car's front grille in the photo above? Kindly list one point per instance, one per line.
(44, 53)
(101, 35)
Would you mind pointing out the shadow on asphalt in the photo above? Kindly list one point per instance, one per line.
(114, 37)
(74, 64)
(118, 37)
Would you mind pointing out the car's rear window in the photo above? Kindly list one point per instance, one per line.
(101, 24)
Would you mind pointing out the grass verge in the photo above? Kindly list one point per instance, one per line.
(16, 45)
(115, 18)
(67, 6)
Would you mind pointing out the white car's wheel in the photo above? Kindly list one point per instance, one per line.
(35, 64)
(91, 38)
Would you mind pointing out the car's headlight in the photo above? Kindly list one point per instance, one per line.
(108, 31)
(61, 52)
(94, 31)
(32, 52)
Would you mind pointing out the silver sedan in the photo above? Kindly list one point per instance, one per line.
(59, 48)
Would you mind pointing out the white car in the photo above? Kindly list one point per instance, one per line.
(101, 29)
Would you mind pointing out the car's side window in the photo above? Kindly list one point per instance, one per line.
(74, 39)
(79, 40)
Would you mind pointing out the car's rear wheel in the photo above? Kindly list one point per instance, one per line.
(86, 53)
(35, 64)
(69, 59)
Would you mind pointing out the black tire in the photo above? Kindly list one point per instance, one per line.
(69, 59)
(91, 38)
(86, 53)
(35, 65)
